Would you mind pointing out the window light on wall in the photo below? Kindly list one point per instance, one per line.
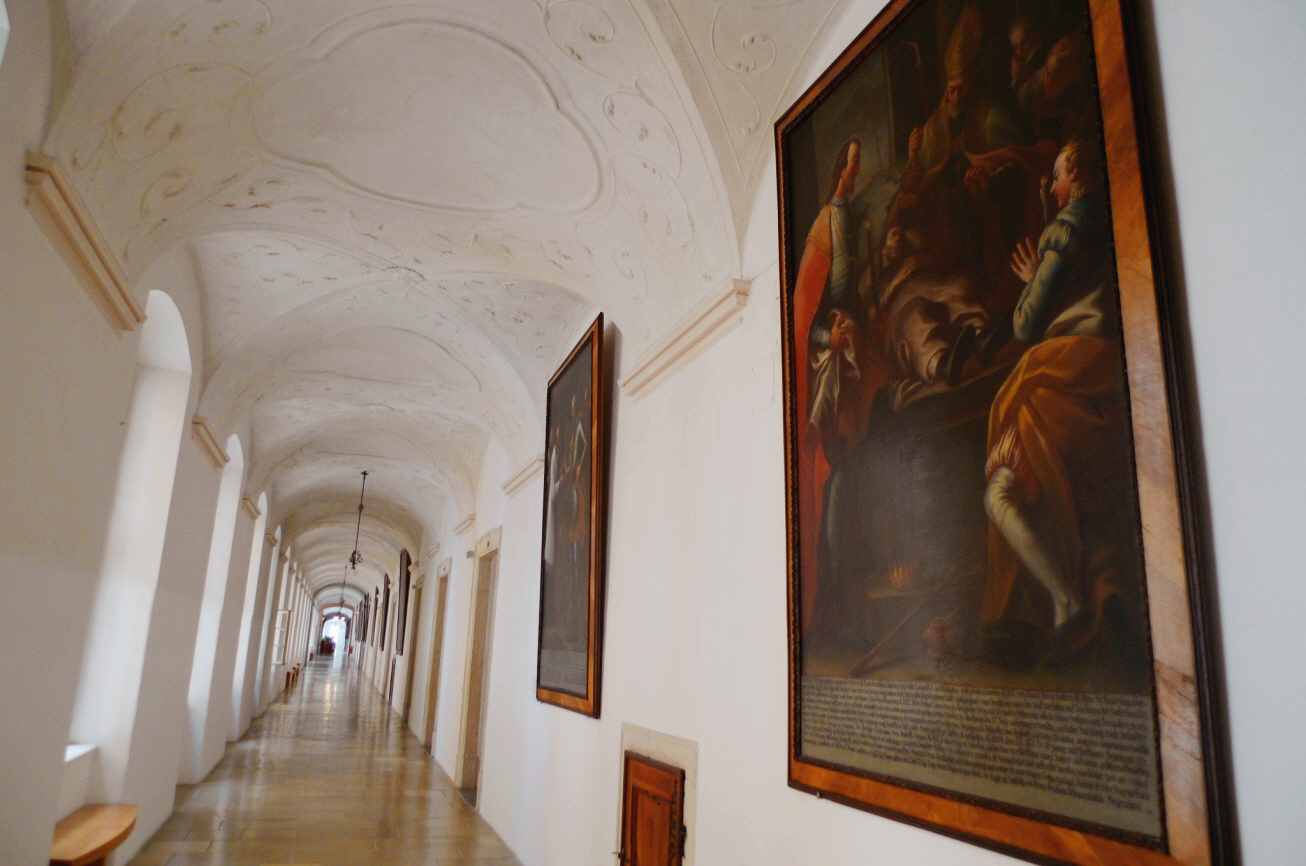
(4, 30)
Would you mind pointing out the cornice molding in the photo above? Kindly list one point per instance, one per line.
(489, 541)
(58, 209)
(709, 319)
(524, 475)
(208, 443)
(251, 507)
(465, 524)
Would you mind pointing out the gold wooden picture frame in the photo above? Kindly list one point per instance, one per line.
(570, 650)
(997, 625)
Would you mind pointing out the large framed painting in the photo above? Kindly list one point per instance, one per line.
(572, 564)
(993, 586)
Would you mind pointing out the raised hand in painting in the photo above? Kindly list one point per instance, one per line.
(841, 330)
(1024, 261)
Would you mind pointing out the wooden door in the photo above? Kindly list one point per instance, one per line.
(478, 665)
(652, 813)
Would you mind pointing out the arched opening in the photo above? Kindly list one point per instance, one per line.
(109, 688)
(335, 638)
(242, 681)
(202, 748)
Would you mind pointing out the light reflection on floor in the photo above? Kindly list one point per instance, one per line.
(326, 776)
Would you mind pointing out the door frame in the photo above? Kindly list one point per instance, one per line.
(485, 569)
(437, 654)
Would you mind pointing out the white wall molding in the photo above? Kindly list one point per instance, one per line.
(490, 541)
(209, 444)
(709, 319)
(465, 524)
(251, 507)
(60, 212)
(524, 475)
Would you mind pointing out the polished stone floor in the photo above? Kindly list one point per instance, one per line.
(326, 776)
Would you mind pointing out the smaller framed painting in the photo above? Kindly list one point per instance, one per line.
(575, 504)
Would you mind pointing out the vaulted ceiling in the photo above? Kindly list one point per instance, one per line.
(402, 216)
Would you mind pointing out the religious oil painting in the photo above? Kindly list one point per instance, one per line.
(571, 575)
(990, 625)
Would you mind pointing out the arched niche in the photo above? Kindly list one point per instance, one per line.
(199, 746)
(242, 686)
(109, 688)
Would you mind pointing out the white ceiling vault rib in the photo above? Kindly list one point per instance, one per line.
(743, 62)
(400, 216)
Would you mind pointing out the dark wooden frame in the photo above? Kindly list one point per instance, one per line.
(385, 614)
(401, 609)
(589, 704)
(1198, 810)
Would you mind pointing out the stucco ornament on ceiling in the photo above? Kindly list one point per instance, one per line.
(401, 216)
(405, 111)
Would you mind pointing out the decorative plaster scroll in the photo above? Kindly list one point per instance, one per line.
(270, 539)
(60, 212)
(467, 523)
(208, 442)
(523, 476)
(250, 507)
(687, 338)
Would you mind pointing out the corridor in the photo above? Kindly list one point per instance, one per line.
(326, 776)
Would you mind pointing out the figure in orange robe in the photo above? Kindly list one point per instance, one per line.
(1059, 466)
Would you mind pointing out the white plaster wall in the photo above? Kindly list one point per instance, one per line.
(695, 642)
(519, 730)
(262, 558)
(162, 721)
(66, 384)
(263, 624)
(421, 624)
(211, 738)
(453, 664)
(271, 680)
(419, 653)
(1236, 115)
(431, 552)
(4, 30)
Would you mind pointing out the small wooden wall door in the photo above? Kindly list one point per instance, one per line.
(652, 813)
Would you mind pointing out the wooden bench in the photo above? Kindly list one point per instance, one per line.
(86, 837)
